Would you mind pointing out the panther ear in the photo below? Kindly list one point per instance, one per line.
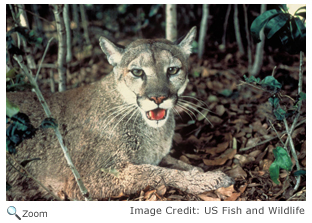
(186, 43)
(113, 52)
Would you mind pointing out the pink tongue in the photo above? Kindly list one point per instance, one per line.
(157, 114)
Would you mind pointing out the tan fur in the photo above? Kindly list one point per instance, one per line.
(102, 137)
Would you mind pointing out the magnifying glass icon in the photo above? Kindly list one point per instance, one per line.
(12, 211)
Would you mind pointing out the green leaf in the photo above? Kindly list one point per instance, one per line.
(301, 27)
(252, 79)
(294, 31)
(274, 101)
(122, 8)
(271, 83)
(260, 21)
(301, 11)
(279, 113)
(27, 34)
(21, 118)
(154, 10)
(302, 14)
(274, 172)
(283, 7)
(20, 129)
(282, 159)
(10, 146)
(302, 96)
(19, 87)
(299, 173)
(226, 92)
(48, 123)
(12, 73)
(275, 24)
(11, 109)
(196, 74)
(195, 47)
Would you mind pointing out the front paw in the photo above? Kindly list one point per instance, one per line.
(203, 182)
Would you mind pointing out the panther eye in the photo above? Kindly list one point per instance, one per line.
(137, 72)
(172, 70)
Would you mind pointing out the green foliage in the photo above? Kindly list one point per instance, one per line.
(274, 102)
(48, 123)
(279, 113)
(129, 18)
(258, 24)
(154, 10)
(196, 74)
(274, 86)
(16, 81)
(302, 96)
(195, 46)
(252, 79)
(271, 83)
(11, 109)
(25, 33)
(290, 29)
(299, 173)
(12, 73)
(226, 92)
(274, 172)
(20, 129)
(282, 161)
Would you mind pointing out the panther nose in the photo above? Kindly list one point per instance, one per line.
(158, 100)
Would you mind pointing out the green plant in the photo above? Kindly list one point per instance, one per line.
(282, 161)
(291, 31)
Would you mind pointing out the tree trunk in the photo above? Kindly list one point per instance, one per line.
(226, 21)
(203, 31)
(75, 15)
(38, 27)
(249, 47)
(84, 22)
(24, 22)
(171, 22)
(68, 33)
(255, 70)
(61, 57)
(237, 31)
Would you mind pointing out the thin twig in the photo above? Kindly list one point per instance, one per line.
(34, 14)
(289, 131)
(44, 54)
(260, 88)
(273, 72)
(270, 139)
(252, 85)
(276, 133)
(32, 177)
(293, 152)
(33, 82)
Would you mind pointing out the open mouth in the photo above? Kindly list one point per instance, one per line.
(156, 114)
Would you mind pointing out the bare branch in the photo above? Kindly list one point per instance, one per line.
(33, 82)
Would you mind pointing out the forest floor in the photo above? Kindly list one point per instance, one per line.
(240, 135)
